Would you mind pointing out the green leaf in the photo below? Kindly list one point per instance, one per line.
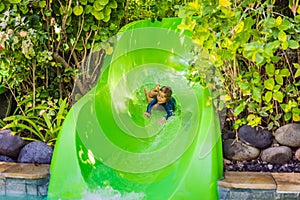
(297, 17)
(240, 108)
(287, 116)
(279, 79)
(269, 84)
(297, 74)
(293, 44)
(256, 94)
(273, 45)
(98, 15)
(285, 108)
(47, 120)
(296, 65)
(296, 111)
(106, 11)
(113, 4)
(276, 88)
(2, 7)
(284, 72)
(284, 25)
(60, 114)
(278, 96)
(98, 5)
(244, 86)
(97, 47)
(42, 4)
(253, 105)
(103, 2)
(239, 28)
(270, 125)
(263, 114)
(259, 58)
(297, 84)
(88, 9)
(83, 2)
(14, 1)
(270, 22)
(106, 18)
(253, 120)
(285, 45)
(275, 59)
(270, 69)
(278, 20)
(78, 10)
(278, 116)
(282, 36)
(2, 89)
(268, 96)
(296, 117)
(94, 27)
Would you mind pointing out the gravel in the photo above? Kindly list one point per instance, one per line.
(259, 166)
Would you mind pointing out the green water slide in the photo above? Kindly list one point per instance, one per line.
(107, 149)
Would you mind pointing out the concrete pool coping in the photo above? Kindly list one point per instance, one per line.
(234, 185)
(259, 186)
(24, 170)
(281, 182)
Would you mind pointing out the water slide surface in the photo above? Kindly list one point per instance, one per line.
(107, 149)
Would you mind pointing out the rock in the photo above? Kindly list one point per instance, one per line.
(255, 136)
(277, 155)
(297, 154)
(6, 159)
(10, 145)
(228, 135)
(36, 152)
(288, 135)
(239, 151)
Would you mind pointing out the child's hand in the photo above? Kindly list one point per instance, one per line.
(146, 114)
(162, 120)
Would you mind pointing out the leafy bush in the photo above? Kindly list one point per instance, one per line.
(253, 47)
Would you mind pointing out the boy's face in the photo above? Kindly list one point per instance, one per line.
(161, 97)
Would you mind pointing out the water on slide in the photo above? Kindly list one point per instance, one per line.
(107, 149)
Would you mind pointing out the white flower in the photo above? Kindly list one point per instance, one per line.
(42, 112)
(3, 25)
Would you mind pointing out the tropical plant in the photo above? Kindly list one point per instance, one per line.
(44, 127)
(254, 48)
(2, 123)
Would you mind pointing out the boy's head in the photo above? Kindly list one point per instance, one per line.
(164, 95)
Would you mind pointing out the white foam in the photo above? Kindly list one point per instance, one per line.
(108, 193)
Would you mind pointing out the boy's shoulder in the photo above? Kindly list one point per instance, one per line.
(172, 100)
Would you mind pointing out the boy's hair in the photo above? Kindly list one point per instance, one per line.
(167, 90)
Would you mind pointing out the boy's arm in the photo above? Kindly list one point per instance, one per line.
(151, 104)
(147, 95)
(169, 113)
(169, 108)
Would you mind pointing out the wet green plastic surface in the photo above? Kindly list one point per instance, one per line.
(107, 149)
